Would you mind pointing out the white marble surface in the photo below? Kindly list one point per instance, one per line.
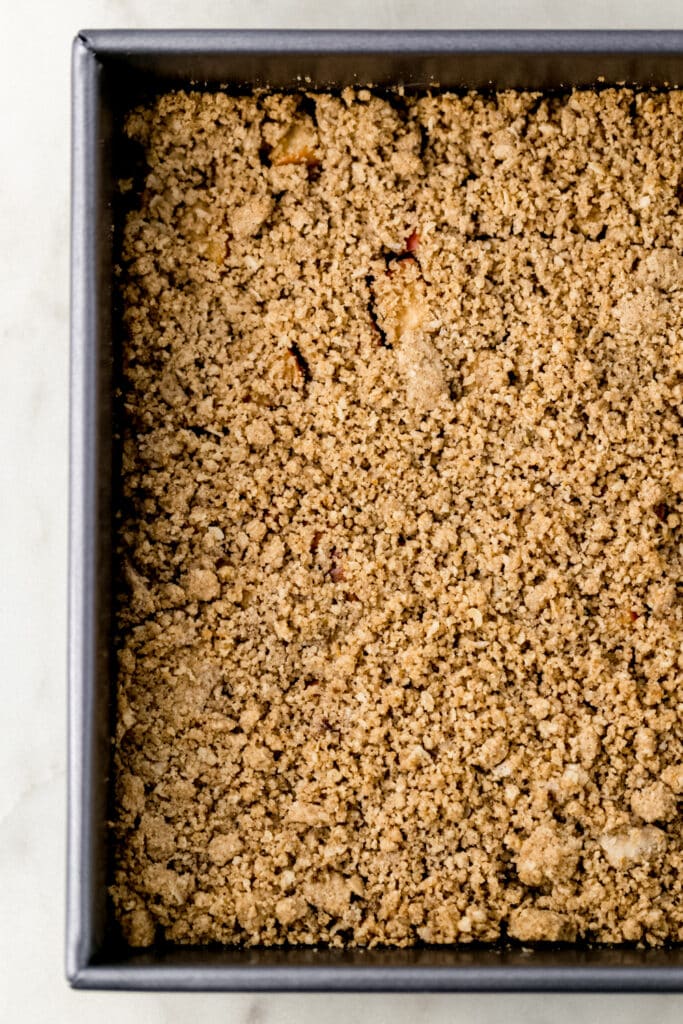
(34, 46)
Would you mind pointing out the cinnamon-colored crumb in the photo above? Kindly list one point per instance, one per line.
(400, 625)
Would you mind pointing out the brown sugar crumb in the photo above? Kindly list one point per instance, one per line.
(400, 622)
(654, 803)
(530, 924)
(202, 585)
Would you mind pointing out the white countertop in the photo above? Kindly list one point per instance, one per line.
(35, 41)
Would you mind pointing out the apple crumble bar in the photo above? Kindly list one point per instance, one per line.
(400, 621)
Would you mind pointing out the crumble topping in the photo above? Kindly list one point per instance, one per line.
(400, 618)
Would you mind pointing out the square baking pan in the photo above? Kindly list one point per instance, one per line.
(113, 71)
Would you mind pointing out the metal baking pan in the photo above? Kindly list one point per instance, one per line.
(112, 71)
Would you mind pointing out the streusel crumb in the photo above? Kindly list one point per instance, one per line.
(400, 624)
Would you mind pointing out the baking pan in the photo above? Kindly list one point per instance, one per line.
(111, 72)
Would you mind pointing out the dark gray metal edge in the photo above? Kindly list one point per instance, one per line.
(81, 504)
(122, 42)
(380, 979)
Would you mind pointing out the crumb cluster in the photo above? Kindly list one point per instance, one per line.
(400, 618)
